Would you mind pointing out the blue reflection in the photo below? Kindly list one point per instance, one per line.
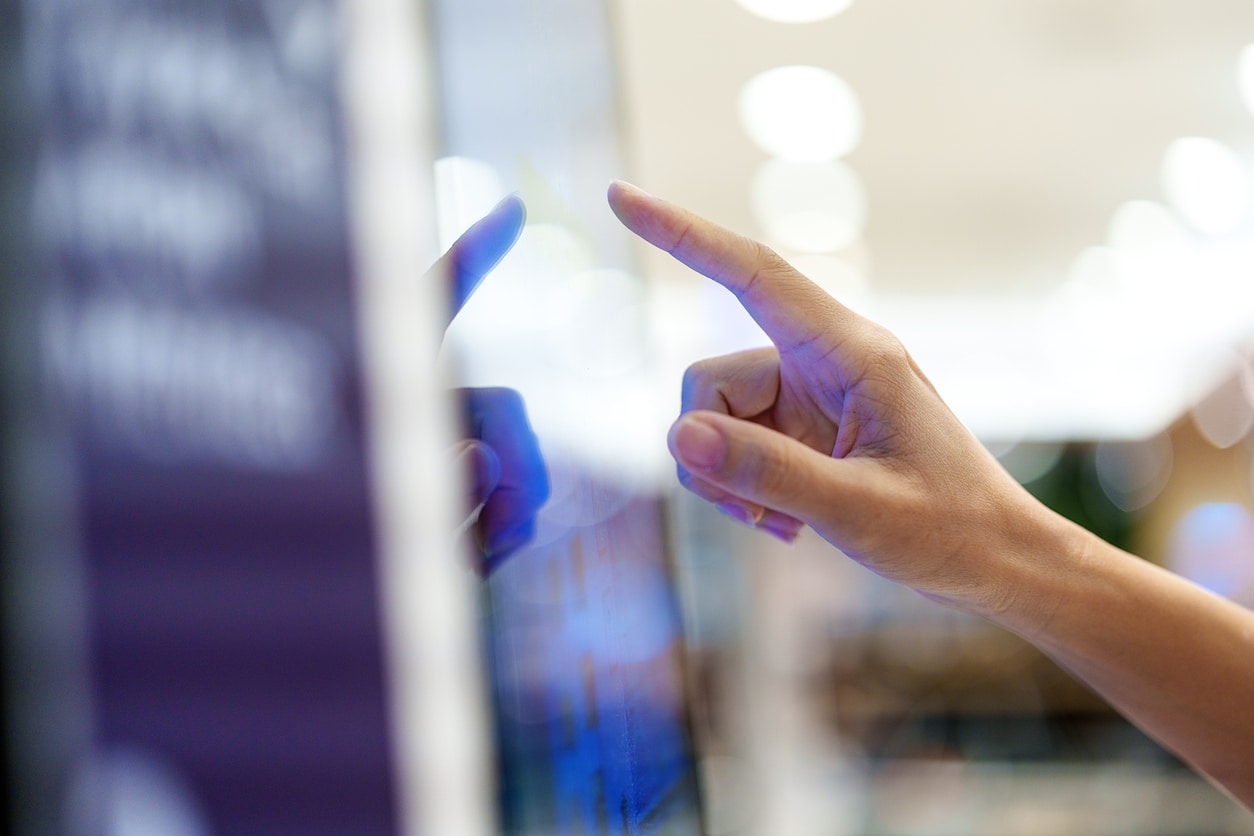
(480, 249)
(586, 652)
(496, 419)
(583, 638)
(500, 452)
(1212, 544)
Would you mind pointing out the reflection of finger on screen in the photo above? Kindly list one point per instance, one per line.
(482, 247)
(469, 522)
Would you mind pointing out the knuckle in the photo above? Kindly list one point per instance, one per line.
(884, 352)
(770, 265)
(700, 384)
(774, 471)
(696, 375)
(768, 259)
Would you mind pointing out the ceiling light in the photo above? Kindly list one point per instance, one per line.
(795, 11)
(1245, 76)
(804, 114)
(1207, 183)
(1150, 247)
(809, 207)
(1146, 228)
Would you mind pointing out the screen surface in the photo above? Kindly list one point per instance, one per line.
(583, 635)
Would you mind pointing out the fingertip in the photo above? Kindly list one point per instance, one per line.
(481, 247)
(620, 189)
(697, 444)
(510, 216)
(635, 208)
(513, 208)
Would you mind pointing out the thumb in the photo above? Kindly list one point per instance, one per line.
(761, 465)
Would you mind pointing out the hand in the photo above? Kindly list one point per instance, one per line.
(837, 427)
(507, 479)
(834, 427)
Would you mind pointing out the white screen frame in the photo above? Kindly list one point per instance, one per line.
(442, 742)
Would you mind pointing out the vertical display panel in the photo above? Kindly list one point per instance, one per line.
(192, 322)
(582, 629)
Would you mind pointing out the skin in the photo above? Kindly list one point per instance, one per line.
(837, 428)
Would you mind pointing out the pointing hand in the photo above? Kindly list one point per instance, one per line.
(833, 427)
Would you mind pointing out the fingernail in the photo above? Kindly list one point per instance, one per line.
(739, 512)
(786, 535)
(469, 522)
(699, 446)
(630, 187)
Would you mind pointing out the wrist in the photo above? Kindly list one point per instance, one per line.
(1035, 554)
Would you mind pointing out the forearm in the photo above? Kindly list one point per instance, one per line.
(1174, 659)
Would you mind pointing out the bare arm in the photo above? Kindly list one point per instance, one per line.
(1173, 658)
(838, 429)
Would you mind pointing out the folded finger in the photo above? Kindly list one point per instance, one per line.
(741, 385)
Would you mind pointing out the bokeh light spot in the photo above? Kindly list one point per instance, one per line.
(1245, 77)
(1133, 473)
(1225, 415)
(600, 330)
(1213, 546)
(465, 189)
(811, 207)
(796, 11)
(1207, 183)
(1145, 226)
(804, 114)
(838, 277)
(1028, 462)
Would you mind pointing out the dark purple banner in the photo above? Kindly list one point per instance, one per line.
(197, 331)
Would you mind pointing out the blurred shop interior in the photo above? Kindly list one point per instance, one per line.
(1051, 203)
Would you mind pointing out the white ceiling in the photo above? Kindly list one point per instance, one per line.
(1000, 137)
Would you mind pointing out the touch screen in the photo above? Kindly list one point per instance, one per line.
(582, 631)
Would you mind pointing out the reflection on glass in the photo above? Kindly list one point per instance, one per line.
(584, 640)
(564, 430)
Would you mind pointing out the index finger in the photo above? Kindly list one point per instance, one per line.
(478, 250)
(790, 308)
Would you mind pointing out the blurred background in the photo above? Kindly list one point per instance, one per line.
(1051, 202)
